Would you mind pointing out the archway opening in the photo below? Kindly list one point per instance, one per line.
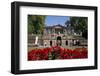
(59, 41)
(59, 38)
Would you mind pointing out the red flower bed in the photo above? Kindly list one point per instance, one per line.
(57, 52)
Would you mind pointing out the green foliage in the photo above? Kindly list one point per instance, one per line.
(30, 25)
(79, 24)
(36, 24)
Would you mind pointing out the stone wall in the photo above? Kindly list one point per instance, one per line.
(45, 40)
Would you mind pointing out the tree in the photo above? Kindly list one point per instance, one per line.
(30, 24)
(79, 24)
(36, 24)
(67, 23)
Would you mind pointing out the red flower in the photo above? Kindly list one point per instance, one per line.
(78, 49)
(31, 55)
(84, 53)
(76, 54)
(57, 52)
(69, 52)
(66, 54)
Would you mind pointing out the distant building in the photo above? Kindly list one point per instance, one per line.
(56, 32)
(55, 29)
(52, 33)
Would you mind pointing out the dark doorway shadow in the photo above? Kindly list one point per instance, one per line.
(59, 41)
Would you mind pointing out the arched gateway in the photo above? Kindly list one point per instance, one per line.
(59, 41)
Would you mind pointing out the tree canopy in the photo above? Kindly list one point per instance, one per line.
(36, 24)
(79, 24)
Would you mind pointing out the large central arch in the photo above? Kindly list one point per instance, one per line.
(58, 37)
(59, 40)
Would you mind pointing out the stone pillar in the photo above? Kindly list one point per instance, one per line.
(36, 40)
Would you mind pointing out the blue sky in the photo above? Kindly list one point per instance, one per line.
(51, 20)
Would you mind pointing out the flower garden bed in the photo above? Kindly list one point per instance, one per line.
(57, 52)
